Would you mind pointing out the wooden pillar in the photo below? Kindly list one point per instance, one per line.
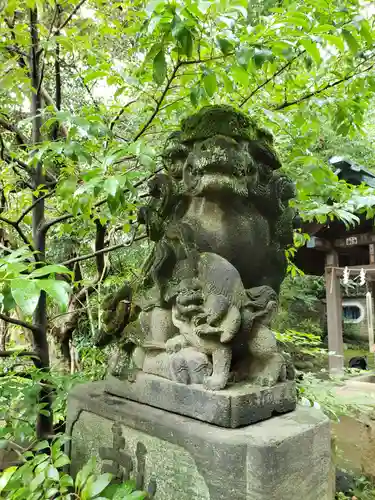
(334, 316)
(371, 251)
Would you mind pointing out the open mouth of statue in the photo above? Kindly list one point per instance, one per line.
(220, 183)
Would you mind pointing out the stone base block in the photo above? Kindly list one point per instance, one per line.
(238, 405)
(283, 458)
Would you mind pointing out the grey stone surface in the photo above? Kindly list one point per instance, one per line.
(236, 406)
(283, 458)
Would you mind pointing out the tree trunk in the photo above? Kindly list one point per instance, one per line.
(44, 422)
(3, 335)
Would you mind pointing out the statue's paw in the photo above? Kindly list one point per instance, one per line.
(175, 344)
(208, 330)
(179, 369)
(215, 382)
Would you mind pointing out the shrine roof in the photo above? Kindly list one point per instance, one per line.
(351, 172)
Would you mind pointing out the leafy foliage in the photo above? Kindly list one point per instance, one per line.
(23, 289)
(42, 477)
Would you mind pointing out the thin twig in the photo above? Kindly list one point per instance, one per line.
(159, 101)
(68, 19)
(104, 250)
(268, 80)
(328, 86)
(121, 112)
(48, 39)
(30, 208)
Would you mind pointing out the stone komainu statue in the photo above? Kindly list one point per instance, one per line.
(220, 222)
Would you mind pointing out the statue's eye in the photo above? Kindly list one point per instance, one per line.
(176, 155)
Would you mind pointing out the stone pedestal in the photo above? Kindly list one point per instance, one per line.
(236, 406)
(286, 457)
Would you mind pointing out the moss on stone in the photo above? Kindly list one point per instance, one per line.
(221, 120)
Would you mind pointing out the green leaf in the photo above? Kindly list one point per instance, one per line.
(41, 445)
(110, 491)
(84, 473)
(52, 473)
(240, 75)
(37, 481)
(26, 294)
(159, 68)
(57, 290)
(261, 56)
(242, 9)
(123, 490)
(210, 85)
(61, 461)
(50, 269)
(95, 487)
(366, 33)
(337, 41)
(5, 477)
(51, 492)
(95, 75)
(225, 46)
(312, 49)
(111, 186)
(66, 481)
(228, 85)
(185, 40)
(194, 96)
(147, 161)
(119, 91)
(114, 203)
(8, 302)
(351, 41)
(244, 56)
(140, 495)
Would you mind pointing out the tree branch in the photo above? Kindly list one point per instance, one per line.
(68, 19)
(4, 155)
(99, 246)
(32, 206)
(328, 86)
(9, 354)
(44, 93)
(121, 112)
(47, 225)
(268, 80)
(22, 140)
(159, 101)
(18, 322)
(19, 231)
(102, 251)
